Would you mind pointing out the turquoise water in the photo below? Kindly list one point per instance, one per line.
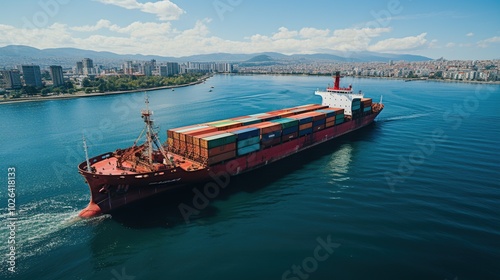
(414, 196)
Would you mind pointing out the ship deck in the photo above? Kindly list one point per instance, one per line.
(109, 166)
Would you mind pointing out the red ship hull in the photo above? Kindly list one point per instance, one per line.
(113, 191)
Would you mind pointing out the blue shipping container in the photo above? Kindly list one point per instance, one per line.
(339, 121)
(289, 130)
(304, 120)
(367, 109)
(319, 122)
(271, 135)
(248, 149)
(248, 142)
(305, 131)
(246, 133)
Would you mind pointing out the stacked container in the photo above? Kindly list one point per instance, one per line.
(247, 140)
(216, 147)
(270, 133)
(289, 128)
(356, 108)
(222, 140)
(305, 123)
(366, 104)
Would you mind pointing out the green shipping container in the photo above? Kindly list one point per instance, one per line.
(217, 140)
(286, 122)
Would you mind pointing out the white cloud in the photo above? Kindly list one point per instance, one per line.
(308, 32)
(163, 9)
(450, 45)
(485, 43)
(284, 33)
(400, 44)
(160, 38)
(103, 23)
(470, 34)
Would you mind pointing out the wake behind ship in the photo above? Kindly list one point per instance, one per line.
(195, 153)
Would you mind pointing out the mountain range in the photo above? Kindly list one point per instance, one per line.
(67, 57)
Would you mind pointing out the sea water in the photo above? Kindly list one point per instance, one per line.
(416, 195)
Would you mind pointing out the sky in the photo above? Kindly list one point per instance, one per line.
(464, 30)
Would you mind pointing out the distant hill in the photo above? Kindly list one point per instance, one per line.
(67, 57)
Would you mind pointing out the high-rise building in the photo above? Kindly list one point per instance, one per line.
(79, 68)
(170, 69)
(128, 68)
(148, 68)
(32, 75)
(12, 79)
(88, 66)
(56, 73)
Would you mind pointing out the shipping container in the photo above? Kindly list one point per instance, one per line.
(289, 136)
(264, 116)
(271, 135)
(366, 102)
(286, 122)
(221, 157)
(305, 126)
(302, 118)
(319, 122)
(248, 149)
(172, 130)
(195, 139)
(217, 140)
(330, 123)
(247, 142)
(330, 119)
(266, 127)
(339, 121)
(248, 121)
(328, 112)
(245, 133)
(226, 124)
(305, 131)
(289, 130)
(367, 109)
(270, 142)
(200, 131)
(204, 152)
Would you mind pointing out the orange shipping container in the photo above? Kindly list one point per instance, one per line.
(330, 124)
(266, 127)
(204, 152)
(305, 126)
(330, 119)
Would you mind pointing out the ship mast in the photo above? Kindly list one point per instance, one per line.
(146, 115)
(151, 135)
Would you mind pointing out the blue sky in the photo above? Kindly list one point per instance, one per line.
(449, 29)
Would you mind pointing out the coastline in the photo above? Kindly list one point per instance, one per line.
(81, 94)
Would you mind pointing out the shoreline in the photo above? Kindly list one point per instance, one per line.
(81, 94)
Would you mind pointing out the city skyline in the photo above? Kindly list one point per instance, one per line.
(466, 31)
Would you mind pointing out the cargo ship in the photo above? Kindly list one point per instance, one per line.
(202, 152)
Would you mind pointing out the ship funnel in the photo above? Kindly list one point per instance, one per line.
(337, 80)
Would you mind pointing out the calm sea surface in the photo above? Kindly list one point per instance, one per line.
(414, 196)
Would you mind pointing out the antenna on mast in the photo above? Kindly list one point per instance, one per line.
(89, 169)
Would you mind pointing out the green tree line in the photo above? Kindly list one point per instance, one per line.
(130, 82)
